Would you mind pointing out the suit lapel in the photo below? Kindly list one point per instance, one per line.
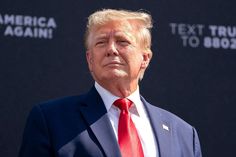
(95, 115)
(161, 128)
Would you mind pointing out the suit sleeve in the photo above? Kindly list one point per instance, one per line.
(196, 144)
(36, 140)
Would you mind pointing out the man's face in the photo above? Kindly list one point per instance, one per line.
(115, 53)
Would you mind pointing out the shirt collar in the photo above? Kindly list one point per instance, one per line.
(108, 98)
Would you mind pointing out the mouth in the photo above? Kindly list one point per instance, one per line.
(114, 64)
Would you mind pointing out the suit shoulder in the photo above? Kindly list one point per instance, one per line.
(171, 117)
(62, 103)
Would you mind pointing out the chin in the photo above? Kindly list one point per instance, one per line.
(111, 75)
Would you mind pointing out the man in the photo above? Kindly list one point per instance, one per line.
(112, 119)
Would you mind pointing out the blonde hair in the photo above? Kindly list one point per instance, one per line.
(104, 16)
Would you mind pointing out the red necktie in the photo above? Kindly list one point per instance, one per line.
(130, 145)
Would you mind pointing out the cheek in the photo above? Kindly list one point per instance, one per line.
(97, 61)
(135, 62)
(138, 59)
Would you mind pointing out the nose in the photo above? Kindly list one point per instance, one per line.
(112, 49)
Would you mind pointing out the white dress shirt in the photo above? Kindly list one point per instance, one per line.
(138, 115)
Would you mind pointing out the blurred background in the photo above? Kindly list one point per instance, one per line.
(192, 73)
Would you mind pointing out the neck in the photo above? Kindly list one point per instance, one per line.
(120, 89)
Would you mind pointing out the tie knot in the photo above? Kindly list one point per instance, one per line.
(123, 104)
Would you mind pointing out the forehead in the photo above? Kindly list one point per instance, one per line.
(117, 28)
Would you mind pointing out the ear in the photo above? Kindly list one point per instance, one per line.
(146, 59)
(89, 60)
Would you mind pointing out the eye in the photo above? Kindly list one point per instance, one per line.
(123, 42)
(100, 42)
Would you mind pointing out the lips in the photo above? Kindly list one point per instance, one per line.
(114, 63)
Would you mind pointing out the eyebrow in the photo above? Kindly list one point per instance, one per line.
(101, 36)
(117, 34)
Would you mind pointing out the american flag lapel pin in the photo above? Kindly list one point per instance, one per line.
(165, 127)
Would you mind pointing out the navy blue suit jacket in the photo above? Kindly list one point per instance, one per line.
(79, 126)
